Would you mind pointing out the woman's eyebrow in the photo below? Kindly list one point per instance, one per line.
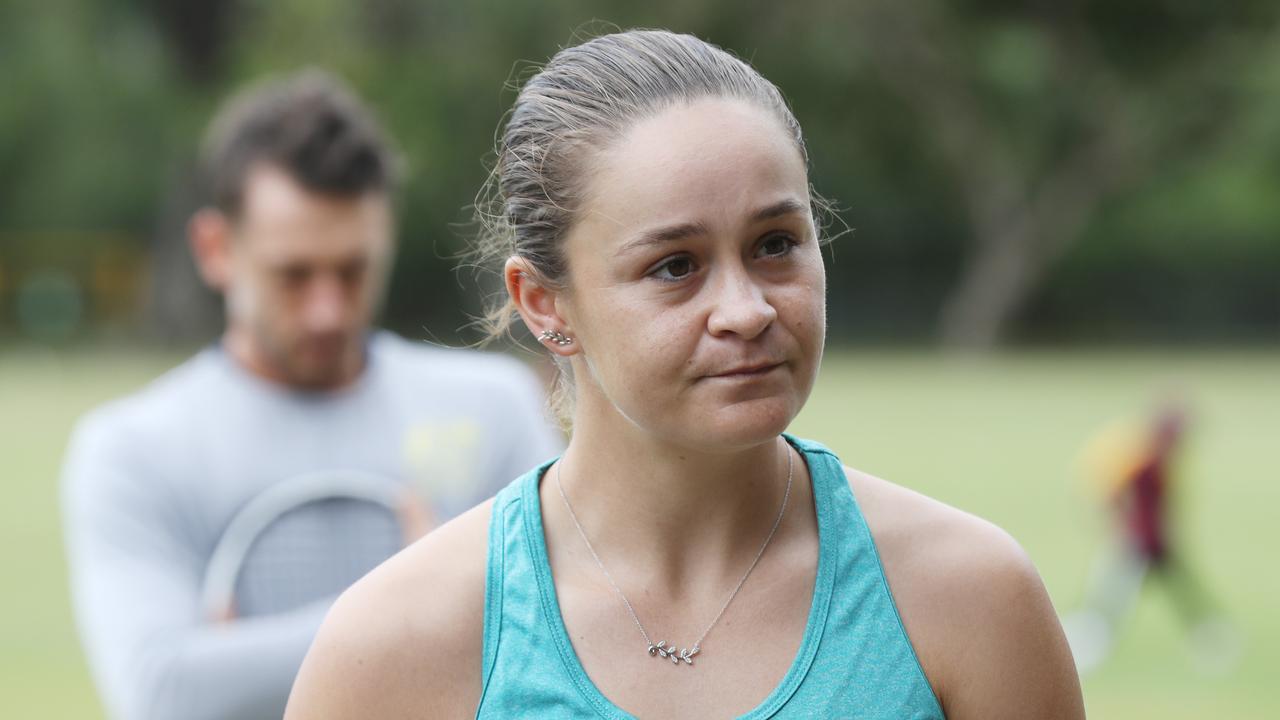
(661, 235)
(681, 231)
(778, 209)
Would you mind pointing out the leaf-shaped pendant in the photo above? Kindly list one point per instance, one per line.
(671, 652)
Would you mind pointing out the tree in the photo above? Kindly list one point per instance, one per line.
(1040, 116)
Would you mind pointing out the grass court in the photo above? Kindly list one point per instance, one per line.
(996, 436)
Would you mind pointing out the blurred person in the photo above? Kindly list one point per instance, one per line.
(1136, 465)
(684, 557)
(299, 390)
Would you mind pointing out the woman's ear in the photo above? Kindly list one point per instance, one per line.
(536, 303)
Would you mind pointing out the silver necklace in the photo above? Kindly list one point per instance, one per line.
(661, 649)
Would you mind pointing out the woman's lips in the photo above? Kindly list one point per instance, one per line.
(746, 372)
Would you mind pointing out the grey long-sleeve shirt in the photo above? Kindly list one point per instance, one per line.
(151, 481)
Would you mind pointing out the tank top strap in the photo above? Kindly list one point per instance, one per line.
(510, 598)
(867, 639)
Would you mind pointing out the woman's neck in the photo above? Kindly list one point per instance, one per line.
(668, 508)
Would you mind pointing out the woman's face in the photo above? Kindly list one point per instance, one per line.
(696, 288)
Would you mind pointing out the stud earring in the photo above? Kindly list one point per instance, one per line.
(556, 337)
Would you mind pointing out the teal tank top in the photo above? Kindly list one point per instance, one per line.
(855, 660)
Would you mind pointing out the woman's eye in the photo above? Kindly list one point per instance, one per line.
(676, 268)
(775, 246)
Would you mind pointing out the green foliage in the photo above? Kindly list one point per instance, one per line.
(105, 103)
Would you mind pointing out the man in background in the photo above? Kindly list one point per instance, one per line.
(298, 239)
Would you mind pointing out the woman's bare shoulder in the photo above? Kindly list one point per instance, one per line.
(405, 641)
(916, 531)
(973, 604)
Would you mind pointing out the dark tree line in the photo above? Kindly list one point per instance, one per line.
(1034, 170)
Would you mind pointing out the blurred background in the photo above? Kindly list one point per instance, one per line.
(1050, 213)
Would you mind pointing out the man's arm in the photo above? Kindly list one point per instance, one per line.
(135, 581)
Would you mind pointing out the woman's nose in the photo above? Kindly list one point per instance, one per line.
(739, 306)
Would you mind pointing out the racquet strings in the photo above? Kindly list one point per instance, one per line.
(314, 551)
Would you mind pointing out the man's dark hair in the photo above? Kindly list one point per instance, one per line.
(307, 124)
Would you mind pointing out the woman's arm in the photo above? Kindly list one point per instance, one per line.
(974, 607)
(404, 642)
(1011, 659)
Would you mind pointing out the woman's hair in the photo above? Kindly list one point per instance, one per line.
(584, 99)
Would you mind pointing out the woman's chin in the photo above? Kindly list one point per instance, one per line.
(744, 425)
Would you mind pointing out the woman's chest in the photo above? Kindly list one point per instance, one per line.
(738, 664)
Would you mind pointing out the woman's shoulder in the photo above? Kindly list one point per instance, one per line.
(916, 530)
(406, 639)
(973, 605)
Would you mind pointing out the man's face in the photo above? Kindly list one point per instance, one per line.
(305, 274)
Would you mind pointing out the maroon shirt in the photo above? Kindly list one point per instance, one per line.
(1145, 507)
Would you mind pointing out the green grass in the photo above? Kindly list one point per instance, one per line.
(41, 394)
(996, 437)
(999, 437)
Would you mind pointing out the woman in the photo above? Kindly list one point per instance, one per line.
(683, 558)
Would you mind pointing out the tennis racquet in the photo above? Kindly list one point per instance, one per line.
(308, 538)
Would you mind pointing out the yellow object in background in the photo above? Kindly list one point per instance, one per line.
(1111, 457)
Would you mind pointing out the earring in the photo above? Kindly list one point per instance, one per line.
(556, 337)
